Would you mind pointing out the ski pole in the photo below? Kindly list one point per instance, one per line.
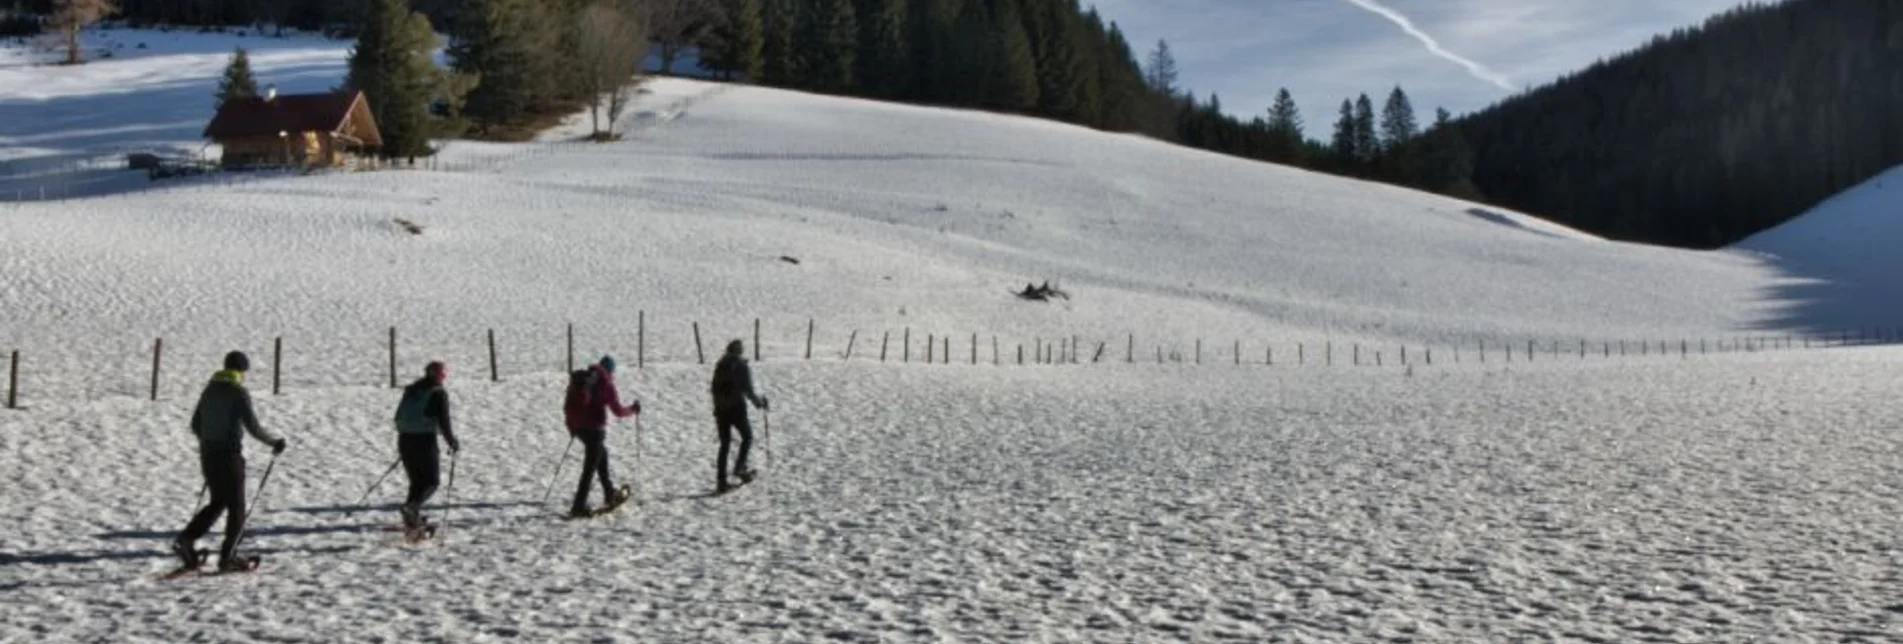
(558, 469)
(637, 458)
(449, 491)
(766, 435)
(373, 488)
(244, 523)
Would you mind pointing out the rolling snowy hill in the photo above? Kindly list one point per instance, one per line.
(1736, 496)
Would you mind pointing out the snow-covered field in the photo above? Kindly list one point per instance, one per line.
(1721, 497)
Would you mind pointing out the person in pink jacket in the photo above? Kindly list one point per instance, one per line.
(591, 397)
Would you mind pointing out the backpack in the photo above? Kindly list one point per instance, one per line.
(412, 414)
(726, 386)
(581, 391)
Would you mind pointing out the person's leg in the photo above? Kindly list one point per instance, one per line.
(603, 474)
(422, 462)
(233, 482)
(725, 425)
(746, 444)
(211, 466)
(591, 452)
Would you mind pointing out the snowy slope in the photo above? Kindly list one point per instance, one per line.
(1845, 250)
(1734, 497)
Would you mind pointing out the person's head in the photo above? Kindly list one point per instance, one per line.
(237, 361)
(736, 348)
(608, 364)
(436, 371)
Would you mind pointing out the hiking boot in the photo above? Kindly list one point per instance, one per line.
(412, 517)
(746, 476)
(237, 563)
(722, 487)
(580, 513)
(188, 556)
(620, 496)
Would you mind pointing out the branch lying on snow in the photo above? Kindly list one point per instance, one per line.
(1041, 293)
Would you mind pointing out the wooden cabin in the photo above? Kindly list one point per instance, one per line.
(294, 130)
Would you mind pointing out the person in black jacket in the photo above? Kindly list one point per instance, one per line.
(420, 417)
(223, 415)
(732, 389)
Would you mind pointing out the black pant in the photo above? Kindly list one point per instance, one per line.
(729, 422)
(224, 476)
(594, 465)
(423, 462)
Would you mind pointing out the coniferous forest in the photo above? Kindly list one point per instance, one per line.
(1697, 139)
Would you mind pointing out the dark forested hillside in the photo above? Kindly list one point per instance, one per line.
(1710, 134)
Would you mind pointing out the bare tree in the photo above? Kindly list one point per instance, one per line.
(610, 43)
(677, 24)
(70, 16)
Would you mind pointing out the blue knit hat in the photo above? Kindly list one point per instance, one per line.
(608, 363)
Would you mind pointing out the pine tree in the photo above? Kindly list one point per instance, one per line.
(1367, 144)
(1014, 86)
(779, 53)
(499, 42)
(1126, 104)
(1397, 120)
(1448, 159)
(237, 82)
(1284, 128)
(828, 42)
(734, 49)
(930, 26)
(392, 66)
(1161, 73)
(883, 60)
(1068, 87)
(1344, 141)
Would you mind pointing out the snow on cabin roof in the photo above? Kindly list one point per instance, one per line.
(248, 117)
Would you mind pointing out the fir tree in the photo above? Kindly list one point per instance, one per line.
(499, 41)
(1284, 128)
(1448, 159)
(1068, 87)
(737, 42)
(1397, 120)
(1344, 141)
(1367, 144)
(1161, 72)
(1126, 106)
(237, 82)
(883, 59)
(829, 41)
(1014, 85)
(392, 66)
(779, 55)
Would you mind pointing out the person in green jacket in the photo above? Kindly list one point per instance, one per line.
(224, 414)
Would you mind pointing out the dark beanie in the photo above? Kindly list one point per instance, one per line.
(608, 363)
(735, 348)
(236, 361)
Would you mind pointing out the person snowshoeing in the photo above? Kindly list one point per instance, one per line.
(223, 415)
(420, 417)
(732, 389)
(591, 397)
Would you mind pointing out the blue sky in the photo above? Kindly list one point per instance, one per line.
(1327, 50)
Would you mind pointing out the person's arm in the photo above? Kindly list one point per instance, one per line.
(248, 417)
(613, 399)
(438, 409)
(746, 385)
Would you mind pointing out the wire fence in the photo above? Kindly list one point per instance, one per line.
(360, 362)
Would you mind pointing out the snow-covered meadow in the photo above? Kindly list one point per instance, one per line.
(1731, 496)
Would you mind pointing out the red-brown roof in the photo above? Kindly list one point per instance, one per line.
(287, 113)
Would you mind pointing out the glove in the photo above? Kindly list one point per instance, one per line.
(278, 447)
(636, 407)
(455, 446)
(766, 404)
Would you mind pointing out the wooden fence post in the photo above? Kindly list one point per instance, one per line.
(1301, 354)
(1095, 358)
(277, 365)
(641, 340)
(1330, 357)
(849, 342)
(994, 352)
(944, 353)
(1403, 355)
(1268, 356)
(907, 352)
(1430, 356)
(1020, 354)
(1483, 351)
(1199, 350)
(931, 344)
(756, 339)
(809, 338)
(974, 349)
(571, 346)
(158, 348)
(393, 357)
(1238, 352)
(1357, 354)
(13, 381)
(494, 375)
(1130, 355)
(885, 338)
(699, 353)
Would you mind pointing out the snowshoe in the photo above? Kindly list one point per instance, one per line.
(746, 476)
(189, 558)
(237, 563)
(412, 517)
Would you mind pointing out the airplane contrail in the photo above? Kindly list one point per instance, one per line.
(1478, 70)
